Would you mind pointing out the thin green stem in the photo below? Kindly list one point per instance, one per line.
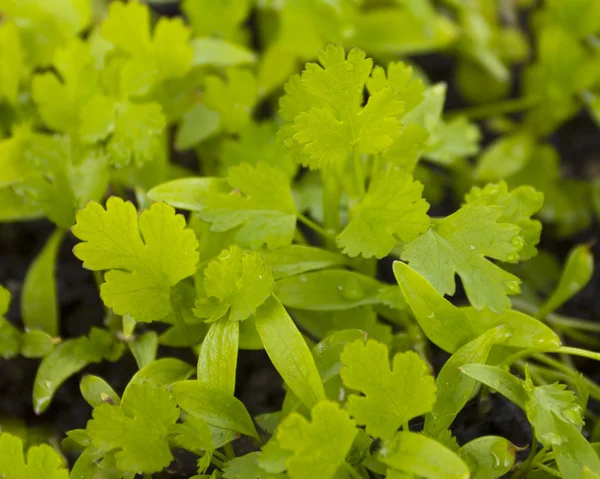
(549, 470)
(229, 452)
(480, 112)
(353, 473)
(524, 469)
(332, 198)
(314, 226)
(579, 352)
(220, 455)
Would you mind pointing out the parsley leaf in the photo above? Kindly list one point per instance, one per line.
(392, 209)
(320, 447)
(325, 115)
(401, 78)
(247, 467)
(392, 397)
(145, 258)
(459, 244)
(519, 205)
(43, 462)
(237, 282)
(138, 429)
(261, 206)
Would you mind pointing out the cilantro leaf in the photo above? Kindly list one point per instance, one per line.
(247, 467)
(392, 209)
(43, 462)
(401, 78)
(237, 282)
(320, 447)
(324, 113)
(459, 244)
(137, 429)
(261, 206)
(519, 205)
(145, 258)
(234, 100)
(392, 397)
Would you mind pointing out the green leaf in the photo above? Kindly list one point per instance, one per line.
(198, 124)
(392, 210)
(217, 360)
(196, 436)
(505, 156)
(247, 467)
(288, 352)
(460, 244)
(43, 462)
(519, 205)
(320, 446)
(11, 62)
(235, 100)
(188, 193)
(162, 372)
(67, 359)
(145, 258)
(400, 77)
(422, 456)
(236, 283)
(499, 380)
(325, 108)
(37, 344)
(332, 290)
(137, 429)
(97, 391)
(144, 348)
(296, 259)
(576, 274)
(220, 53)
(489, 457)
(214, 405)
(39, 308)
(574, 454)
(392, 397)
(10, 337)
(216, 18)
(261, 207)
(454, 389)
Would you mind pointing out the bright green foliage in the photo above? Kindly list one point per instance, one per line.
(247, 467)
(519, 205)
(234, 100)
(401, 78)
(459, 244)
(137, 429)
(320, 446)
(11, 62)
(42, 461)
(10, 338)
(216, 18)
(392, 397)
(261, 207)
(237, 282)
(392, 210)
(325, 108)
(145, 258)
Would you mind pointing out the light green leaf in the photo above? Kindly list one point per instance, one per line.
(144, 348)
(220, 53)
(392, 397)
(332, 290)
(214, 405)
(11, 62)
(145, 258)
(574, 454)
(235, 284)
(320, 446)
(296, 259)
(504, 157)
(261, 207)
(489, 457)
(188, 193)
(576, 274)
(10, 337)
(288, 352)
(422, 456)
(499, 380)
(247, 467)
(392, 210)
(217, 360)
(137, 429)
(454, 389)
(162, 372)
(519, 205)
(43, 462)
(96, 391)
(401, 78)
(39, 308)
(460, 244)
(37, 344)
(198, 124)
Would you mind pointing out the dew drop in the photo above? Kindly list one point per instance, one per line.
(513, 287)
(472, 247)
(517, 242)
(352, 290)
(431, 315)
(260, 276)
(303, 278)
(513, 257)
